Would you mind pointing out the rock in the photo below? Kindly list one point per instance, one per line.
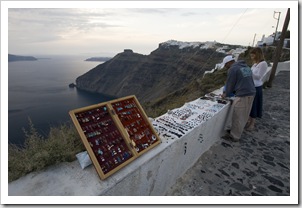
(72, 85)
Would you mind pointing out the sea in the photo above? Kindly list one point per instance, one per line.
(39, 91)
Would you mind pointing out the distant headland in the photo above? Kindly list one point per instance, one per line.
(12, 57)
(100, 59)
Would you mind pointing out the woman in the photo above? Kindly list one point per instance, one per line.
(259, 69)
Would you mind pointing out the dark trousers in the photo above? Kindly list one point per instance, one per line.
(256, 111)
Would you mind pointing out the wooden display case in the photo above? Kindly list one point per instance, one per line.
(114, 133)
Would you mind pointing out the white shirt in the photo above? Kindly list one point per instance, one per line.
(258, 72)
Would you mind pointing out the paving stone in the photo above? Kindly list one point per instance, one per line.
(274, 180)
(225, 144)
(261, 144)
(254, 163)
(239, 186)
(236, 165)
(268, 157)
(283, 166)
(255, 194)
(249, 150)
(274, 188)
(223, 172)
(249, 173)
(270, 163)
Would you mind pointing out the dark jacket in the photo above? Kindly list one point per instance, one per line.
(240, 80)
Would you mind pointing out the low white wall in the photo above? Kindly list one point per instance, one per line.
(152, 173)
(282, 66)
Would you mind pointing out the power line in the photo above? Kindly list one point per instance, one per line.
(235, 24)
(205, 63)
(226, 35)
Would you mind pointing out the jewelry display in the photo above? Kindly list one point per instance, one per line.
(140, 132)
(104, 138)
(114, 133)
(178, 122)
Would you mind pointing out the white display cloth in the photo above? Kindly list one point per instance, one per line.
(178, 122)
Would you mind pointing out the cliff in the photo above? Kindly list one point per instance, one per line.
(170, 67)
(20, 58)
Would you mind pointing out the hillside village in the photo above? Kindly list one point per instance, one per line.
(220, 48)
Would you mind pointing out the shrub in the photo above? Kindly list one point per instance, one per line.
(192, 91)
(61, 145)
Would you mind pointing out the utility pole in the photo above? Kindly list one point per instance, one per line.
(278, 49)
(277, 24)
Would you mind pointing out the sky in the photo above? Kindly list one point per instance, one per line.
(99, 29)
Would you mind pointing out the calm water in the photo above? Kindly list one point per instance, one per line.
(39, 90)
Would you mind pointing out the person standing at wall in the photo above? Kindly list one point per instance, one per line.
(240, 82)
(259, 69)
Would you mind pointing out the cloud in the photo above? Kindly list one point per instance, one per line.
(67, 29)
(39, 25)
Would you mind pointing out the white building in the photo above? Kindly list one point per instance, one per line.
(268, 40)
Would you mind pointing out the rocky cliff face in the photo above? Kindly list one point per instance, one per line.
(150, 77)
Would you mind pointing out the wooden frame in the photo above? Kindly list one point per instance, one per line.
(114, 133)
